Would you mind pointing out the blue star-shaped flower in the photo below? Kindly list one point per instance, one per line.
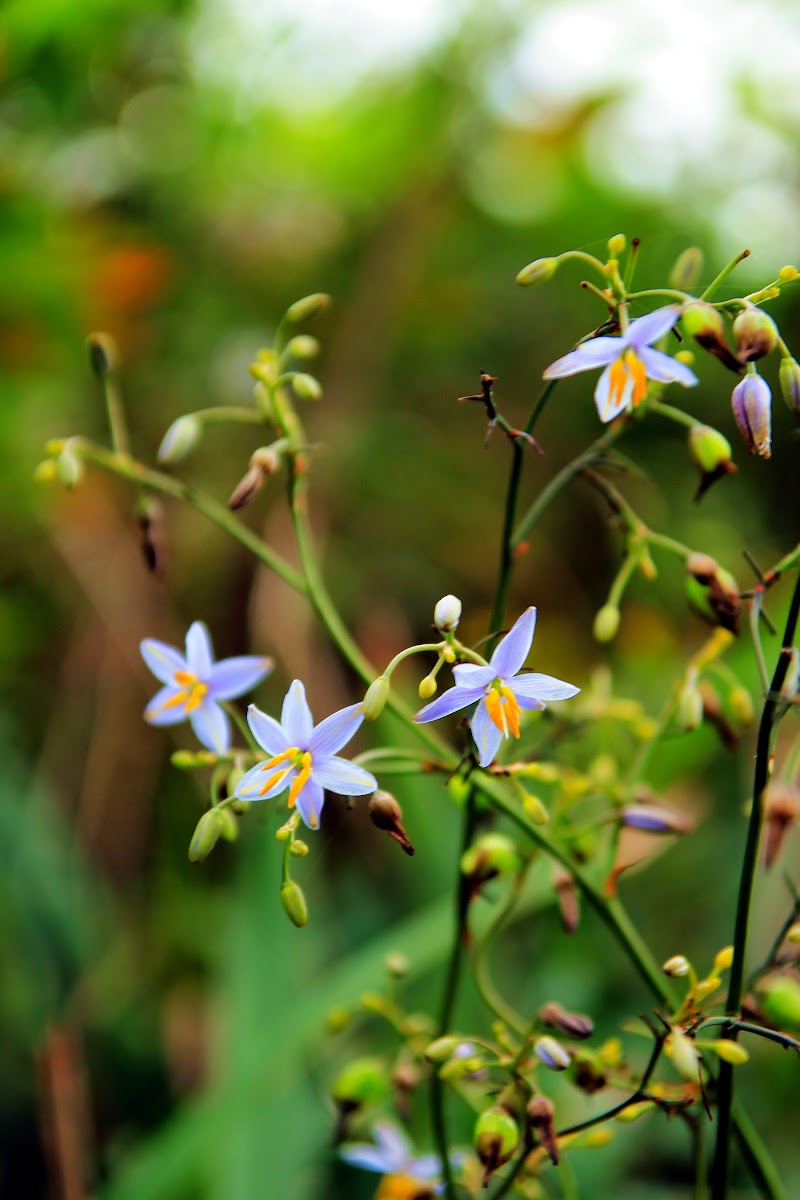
(391, 1155)
(195, 685)
(500, 690)
(303, 756)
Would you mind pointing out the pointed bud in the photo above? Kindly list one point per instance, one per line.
(375, 698)
(684, 1055)
(205, 836)
(551, 1053)
(302, 346)
(103, 354)
(706, 325)
(491, 855)
(572, 1025)
(308, 307)
(655, 818)
(676, 967)
(539, 271)
(617, 244)
(687, 270)
(606, 623)
(294, 903)
(713, 591)
(780, 813)
(756, 334)
(789, 376)
(751, 401)
(69, 465)
(741, 704)
(306, 386)
(711, 452)
(729, 1051)
(496, 1138)
(180, 439)
(542, 1119)
(780, 1000)
(427, 687)
(386, 814)
(723, 959)
(447, 613)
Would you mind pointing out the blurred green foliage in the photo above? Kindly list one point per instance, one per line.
(143, 197)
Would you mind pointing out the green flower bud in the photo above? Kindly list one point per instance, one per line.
(606, 623)
(495, 1139)
(294, 903)
(709, 449)
(728, 1051)
(309, 306)
(491, 855)
(634, 1111)
(103, 354)
(687, 270)
(789, 378)
(458, 788)
(205, 836)
(229, 827)
(756, 334)
(427, 687)
(183, 760)
(442, 1049)
(793, 934)
(306, 386)
(447, 613)
(363, 1082)
(45, 472)
(702, 321)
(617, 244)
(538, 271)
(180, 439)
(780, 1000)
(299, 848)
(302, 346)
(375, 699)
(742, 705)
(69, 466)
(338, 1019)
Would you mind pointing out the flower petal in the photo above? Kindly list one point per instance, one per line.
(449, 702)
(486, 734)
(336, 730)
(512, 651)
(160, 712)
(211, 726)
(664, 369)
(597, 352)
(470, 675)
(199, 653)
(251, 783)
(234, 676)
(545, 688)
(646, 330)
(267, 732)
(369, 1158)
(342, 776)
(607, 409)
(296, 719)
(310, 802)
(394, 1146)
(163, 660)
(427, 1166)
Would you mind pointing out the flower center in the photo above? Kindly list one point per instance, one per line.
(402, 1187)
(295, 758)
(503, 708)
(192, 692)
(627, 369)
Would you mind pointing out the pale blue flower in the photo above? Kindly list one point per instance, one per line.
(303, 756)
(629, 362)
(195, 685)
(500, 690)
(391, 1154)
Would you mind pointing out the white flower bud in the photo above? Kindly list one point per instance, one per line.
(447, 613)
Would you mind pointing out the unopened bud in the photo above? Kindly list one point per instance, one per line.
(496, 1138)
(180, 439)
(789, 377)
(687, 270)
(617, 244)
(229, 827)
(294, 903)
(551, 1053)
(539, 271)
(713, 591)
(491, 855)
(298, 848)
(655, 818)
(780, 813)
(205, 836)
(246, 489)
(689, 712)
(742, 705)
(711, 452)
(684, 1055)
(751, 401)
(606, 623)
(676, 967)
(306, 386)
(386, 814)
(103, 354)
(634, 1111)
(46, 472)
(793, 934)
(69, 465)
(542, 1119)
(572, 1025)
(780, 1000)
(375, 698)
(756, 334)
(308, 307)
(729, 1051)
(447, 613)
(427, 687)
(302, 346)
(442, 1049)
(723, 959)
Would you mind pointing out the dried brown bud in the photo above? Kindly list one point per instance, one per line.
(713, 591)
(150, 519)
(568, 902)
(714, 713)
(541, 1118)
(572, 1025)
(780, 813)
(386, 814)
(264, 461)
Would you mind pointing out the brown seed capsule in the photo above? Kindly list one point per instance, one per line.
(781, 809)
(386, 814)
(713, 591)
(541, 1118)
(572, 1025)
(756, 334)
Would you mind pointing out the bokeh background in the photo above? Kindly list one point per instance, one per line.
(176, 173)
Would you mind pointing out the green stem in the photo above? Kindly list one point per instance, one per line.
(225, 413)
(769, 717)
(723, 275)
(483, 980)
(116, 416)
(671, 293)
(672, 414)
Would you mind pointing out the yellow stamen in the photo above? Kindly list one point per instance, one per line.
(174, 701)
(273, 779)
(301, 780)
(636, 368)
(401, 1187)
(617, 379)
(192, 695)
(511, 709)
(279, 758)
(503, 708)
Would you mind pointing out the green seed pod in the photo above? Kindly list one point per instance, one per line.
(491, 855)
(309, 306)
(756, 334)
(183, 760)
(338, 1019)
(687, 270)
(363, 1082)
(606, 623)
(458, 789)
(375, 699)
(180, 439)
(538, 271)
(793, 934)
(709, 449)
(294, 903)
(789, 378)
(302, 346)
(306, 386)
(780, 1000)
(634, 1111)
(205, 836)
(495, 1139)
